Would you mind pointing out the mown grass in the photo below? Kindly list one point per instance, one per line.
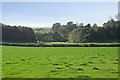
(59, 62)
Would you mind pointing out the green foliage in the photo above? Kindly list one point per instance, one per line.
(95, 28)
(63, 31)
(56, 26)
(59, 62)
(70, 32)
(74, 36)
(80, 33)
(70, 26)
(39, 37)
(17, 34)
(109, 32)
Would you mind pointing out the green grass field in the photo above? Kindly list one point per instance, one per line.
(59, 62)
(42, 32)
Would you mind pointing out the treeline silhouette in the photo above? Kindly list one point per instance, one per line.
(17, 34)
(75, 33)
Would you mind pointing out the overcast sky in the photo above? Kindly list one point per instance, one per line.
(44, 14)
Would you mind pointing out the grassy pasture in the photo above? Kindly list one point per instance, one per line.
(42, 32)
(59, 62)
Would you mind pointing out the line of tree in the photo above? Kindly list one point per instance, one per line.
(17, 34)
(75, 33)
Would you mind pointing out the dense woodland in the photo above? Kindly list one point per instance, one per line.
(74, 33)
(17, 34)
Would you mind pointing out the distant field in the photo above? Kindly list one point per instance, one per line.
(42, 32)
(59, 62)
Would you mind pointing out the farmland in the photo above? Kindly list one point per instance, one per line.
(59, 62)
(42, 32)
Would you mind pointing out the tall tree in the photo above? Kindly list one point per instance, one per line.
(56, 26)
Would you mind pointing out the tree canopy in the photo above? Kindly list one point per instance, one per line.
(17, 34)
(76, 33)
